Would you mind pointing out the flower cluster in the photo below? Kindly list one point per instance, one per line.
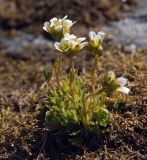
(70, 44)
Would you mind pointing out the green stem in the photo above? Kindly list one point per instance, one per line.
(85, 112)
(93, 94)
(58, 69)
(72, 76)
(94, 74)
(85, 106)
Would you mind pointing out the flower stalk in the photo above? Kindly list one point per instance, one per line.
(58, 66)
(72, 76)
(94, 73)
(85, 112)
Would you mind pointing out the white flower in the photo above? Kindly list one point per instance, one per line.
(123, 81)
(67, 24)
(111, 83)
(58, 27)
(70, 44)
(97, 37)
(95, 43)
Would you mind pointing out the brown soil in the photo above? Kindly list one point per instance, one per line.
(23, 100)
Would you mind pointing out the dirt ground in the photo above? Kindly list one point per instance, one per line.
(23, 95)
(23, 101)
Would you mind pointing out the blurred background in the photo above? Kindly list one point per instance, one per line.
(21, 21)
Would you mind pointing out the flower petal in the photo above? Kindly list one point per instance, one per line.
(124, 90)
(102, 34)
(53, 20)
(44, 29)
(67, 22)
(64, 18)
(81, 39)
(57, 46)
(92, 35)
(46, 26)
(70, 36)
(122, 81)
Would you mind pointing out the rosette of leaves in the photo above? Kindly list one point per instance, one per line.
(63, 110)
